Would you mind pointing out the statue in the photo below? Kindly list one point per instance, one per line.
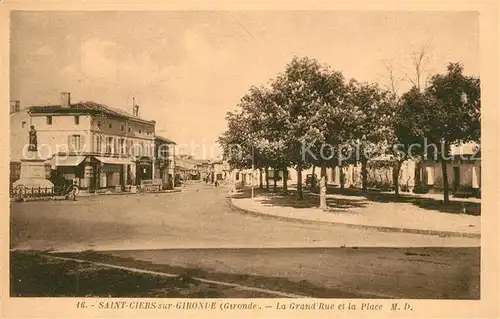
(33, 142)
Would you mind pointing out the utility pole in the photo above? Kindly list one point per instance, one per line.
(252, 169)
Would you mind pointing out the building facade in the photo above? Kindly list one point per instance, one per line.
(165, 160)
(92, 144)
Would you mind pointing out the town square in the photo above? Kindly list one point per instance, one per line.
(211, 154)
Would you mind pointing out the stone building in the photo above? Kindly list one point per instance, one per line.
(94, 145)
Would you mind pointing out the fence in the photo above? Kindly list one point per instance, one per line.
(36, 192)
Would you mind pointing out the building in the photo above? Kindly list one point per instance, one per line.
(463, 172)
(165, 160)
(94, 145)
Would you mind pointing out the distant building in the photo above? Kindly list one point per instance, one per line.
(95, 145)
(165, 159)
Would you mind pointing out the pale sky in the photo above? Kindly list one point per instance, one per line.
(187, 69)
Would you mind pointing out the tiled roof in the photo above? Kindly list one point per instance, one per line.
(85, 107)
(164, 139)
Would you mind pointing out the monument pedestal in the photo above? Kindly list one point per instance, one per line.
(33, 174)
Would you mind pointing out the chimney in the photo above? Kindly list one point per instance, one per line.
(14, 106)
(65, 99)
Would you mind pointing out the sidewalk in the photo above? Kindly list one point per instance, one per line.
(410, 214)
(86, 194)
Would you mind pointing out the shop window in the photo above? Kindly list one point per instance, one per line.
(49, 120)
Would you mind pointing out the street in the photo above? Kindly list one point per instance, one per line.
(198, 229)
(198, 217)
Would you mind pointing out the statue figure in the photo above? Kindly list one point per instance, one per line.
(32, 142)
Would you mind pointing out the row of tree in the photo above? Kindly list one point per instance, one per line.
(310, 115)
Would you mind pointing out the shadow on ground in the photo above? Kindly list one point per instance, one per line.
(358, 200)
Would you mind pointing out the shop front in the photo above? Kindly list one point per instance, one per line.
(112, 171)
(144, 169)
(68, 168)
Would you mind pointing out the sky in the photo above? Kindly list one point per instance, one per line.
(187, 69)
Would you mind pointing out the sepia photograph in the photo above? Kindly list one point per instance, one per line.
(245, 154)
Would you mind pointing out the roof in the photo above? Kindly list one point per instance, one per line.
(164, 139)
(86, 108)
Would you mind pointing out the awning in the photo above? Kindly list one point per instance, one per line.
(70, 160)
(114, 160)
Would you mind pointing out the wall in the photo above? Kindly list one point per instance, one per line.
(51, 138)
(470, 174)
(120, 129)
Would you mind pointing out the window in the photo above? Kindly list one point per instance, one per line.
(75, 142)
(129, 129)
(98, 125)
(77, 120)
(98, 147)
(141, 150)
(121, 146)
(122, 128)
(110, 125)
(23, 123)
(163, 151)
(140, 131)
(49, 120)
(109, 145)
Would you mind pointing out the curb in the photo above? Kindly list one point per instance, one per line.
(386, 229)
(138, 193)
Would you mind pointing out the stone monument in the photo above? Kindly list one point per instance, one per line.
(32, 167)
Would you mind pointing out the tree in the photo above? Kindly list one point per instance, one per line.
(367, 123)
(452, 115)
(307, 92)
(401, 137)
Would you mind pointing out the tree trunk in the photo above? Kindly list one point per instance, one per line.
(300, 195)
(313, 179)
(323, 173)
(445, 182)
(275, 179)
(395, 176)
(364, 175)
(285, 181)
(267, 177)
(322, 189)
(342, 177)
(261, 182)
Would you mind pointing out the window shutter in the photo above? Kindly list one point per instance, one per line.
(82, 142)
